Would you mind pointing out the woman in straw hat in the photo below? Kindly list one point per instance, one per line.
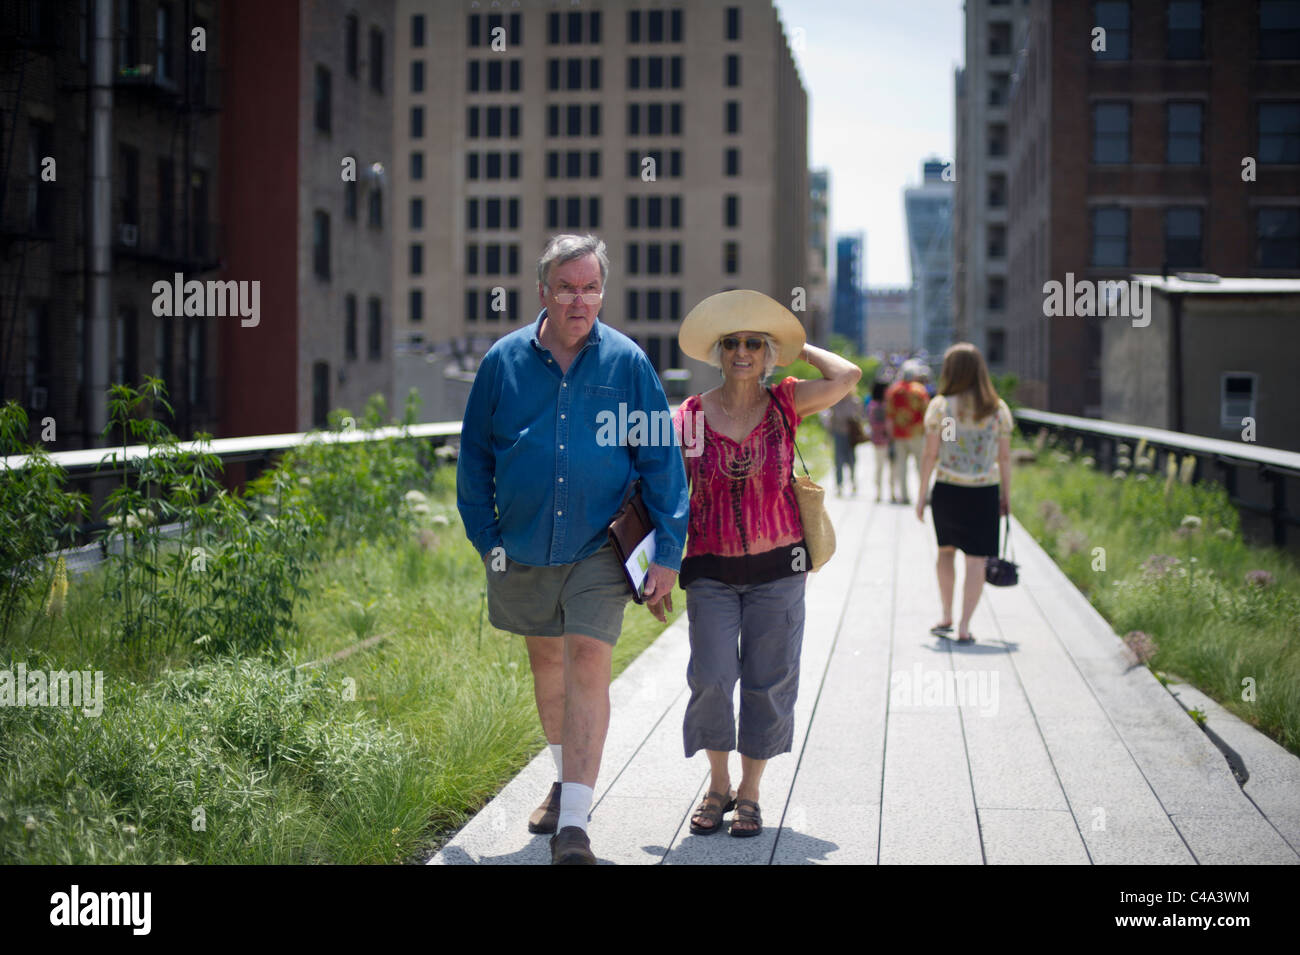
(968, 437)
(745, 561)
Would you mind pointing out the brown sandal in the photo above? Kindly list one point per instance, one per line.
(748, 815)
(712, 807)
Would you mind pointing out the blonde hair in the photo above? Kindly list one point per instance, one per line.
(964, 371)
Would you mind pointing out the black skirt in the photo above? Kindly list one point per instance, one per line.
(966, 518)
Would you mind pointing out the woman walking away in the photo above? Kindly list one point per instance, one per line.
(878, 423)
(746, 558)
(968, 435)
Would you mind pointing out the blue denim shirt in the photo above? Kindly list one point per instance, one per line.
(532, 475)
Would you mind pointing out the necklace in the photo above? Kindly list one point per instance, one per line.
(728, 413)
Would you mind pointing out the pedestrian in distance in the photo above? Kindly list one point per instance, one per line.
(746, 560)
(537, 490)
(906, 400)
(968, 449)
(846, 422)
(878, 427)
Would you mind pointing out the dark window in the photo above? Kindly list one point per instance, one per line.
(320, 394)
(593, 119)
(1110, 132)
(633, 73)
(654, 72)
(475, 34)
(675, 260)
(515, 83)
(494, 76)
(514, 122)
(553, 74)
(417, 122)
(1109, 237)
(653, 212)
(731, 258)
(1113, 17)
(128, 34)
(593, 165)
(572, 212)
(473, 76)
(731, 211)
(512, 258)
(417, 29)
(320, 244)
(417, 76)
(1183, 237)
(593, 27)
(633, 258)
(675, 312)
(733, 116)
(633, 119)
(654, 258)
(493, 122)
(416, 306)
(1279, 29)
(634, 26)
(417, 213)
(733, 23)
(733, 69)
(471, 165)
(675, 212)
(417, 166)
(675, 119)
(471, 260)
(593, 74)
(322, 99)
(1184, 38)
(166, 197)
(731, 162)
(552, 213)
(492, 166)
(471, 305)
(471, 213)
(552, 28)
(375, 212)
(655, 26)
(552, 120)
(675, 72)
(351, 44)
(350, 327)
(351, 191)
(552, 165)
(1183, 133)
(516, 32)
(633, 310)
(199, 218)
(573, 74)
(492, 259)
(1279, 133)
(514, 165)
(1277, 238)
(655, 119)
(573, 121)
(654, 310)
(512, 215)
(376, 60)
(573, 27)
(633, 212)
(512, 304)
(492, 213)
(675, 163)
(593, 213)
(675, 26)
(996, 346)
(374, 330)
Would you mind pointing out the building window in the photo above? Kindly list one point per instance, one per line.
(1279, 132)
(1113, 17)
(416, 305)
(1183, 133)
(417, 76)
(471, 213)
(163, 23)
(471, 305)
(350, 192)
(471, 260)
(374, 330)
(996, 299)
(675, 72)
(350, 327)
(1183, 237)
(320, 394)
(417, 166)
(417, 258)
(731, 211)
(633, 305)
(512, 213)
(996, 346)
(1237, 391)
(1277, 238)
(733, 23)
(492, 213)
(731, 257)
(655, 26)
(731, 162)
(654, 72)
(654, 305)
(376, 60)
(475, 25)
(1109, 237)
(1279, 30)
(1110, 132)
(675, 26)
(1184, 37)
(417, 214)
(593, 74)
(320, 244)
(593, 119)
(492, 163)
(633, 73)
(128, 33)
(417, 30)
(733, 69)
(351, 44)
(322, 99)
(473, 75)
(733, 116)
(375, 217)
(417, 122)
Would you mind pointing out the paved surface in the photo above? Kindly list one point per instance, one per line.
(1041, 743)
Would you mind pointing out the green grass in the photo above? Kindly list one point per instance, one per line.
(1186, 584)
(373, 759)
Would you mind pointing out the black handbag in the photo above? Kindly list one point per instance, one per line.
(999, 571)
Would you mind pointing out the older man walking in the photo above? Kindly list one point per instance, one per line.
(905, 403)
(537, 484)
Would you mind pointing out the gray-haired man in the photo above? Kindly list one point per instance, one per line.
(536, 491)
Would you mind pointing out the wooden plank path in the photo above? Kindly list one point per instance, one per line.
(1041, 743)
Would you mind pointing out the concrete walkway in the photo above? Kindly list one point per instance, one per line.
(1041, 743)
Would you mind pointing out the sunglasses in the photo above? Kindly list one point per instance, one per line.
(751, 344)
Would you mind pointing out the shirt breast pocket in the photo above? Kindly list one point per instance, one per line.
(601, 410)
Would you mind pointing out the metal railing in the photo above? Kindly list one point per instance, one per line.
(1273, 465)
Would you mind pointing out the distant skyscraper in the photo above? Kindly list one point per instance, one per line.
(819, 290)
(849, 315)
(929, 234)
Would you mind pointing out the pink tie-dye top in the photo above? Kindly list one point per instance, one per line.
(741, 498)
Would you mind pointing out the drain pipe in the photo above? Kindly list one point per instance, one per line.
(99, 224)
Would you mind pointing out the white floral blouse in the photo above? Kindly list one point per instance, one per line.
(968, 452)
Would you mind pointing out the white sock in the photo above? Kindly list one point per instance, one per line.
(575, 806)
(556, 751)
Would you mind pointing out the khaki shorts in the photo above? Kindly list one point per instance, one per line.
(587, 597)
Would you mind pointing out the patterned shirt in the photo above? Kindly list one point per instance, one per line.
(742, 503)
(906, 401)
(970, 458)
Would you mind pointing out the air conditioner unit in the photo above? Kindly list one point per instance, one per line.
(129, 234)
(39, 398)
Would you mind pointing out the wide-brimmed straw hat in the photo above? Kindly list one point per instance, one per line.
(740, 310)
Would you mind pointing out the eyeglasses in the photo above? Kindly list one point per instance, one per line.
(588, 298)
(751, 344)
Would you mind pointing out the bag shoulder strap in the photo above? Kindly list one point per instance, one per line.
(781, 412)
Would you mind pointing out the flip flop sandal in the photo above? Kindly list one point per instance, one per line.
(749, 815)
(969, 638)
(712, 808)
(941, 631)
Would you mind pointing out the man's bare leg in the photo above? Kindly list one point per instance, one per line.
(546, 657)
(587, 663)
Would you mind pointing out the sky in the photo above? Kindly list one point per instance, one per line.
(879, 77)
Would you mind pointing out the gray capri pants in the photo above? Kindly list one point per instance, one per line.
(768, 619)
